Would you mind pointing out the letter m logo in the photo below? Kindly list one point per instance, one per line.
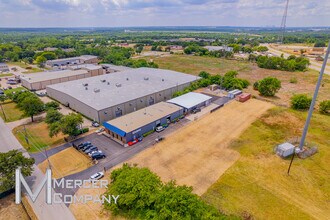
(47, 180)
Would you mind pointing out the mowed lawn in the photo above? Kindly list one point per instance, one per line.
(37, 133)
(257, 184)
(12, 112)
(66, 162)
(196, 64)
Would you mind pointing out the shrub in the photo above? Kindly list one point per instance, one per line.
(52, 105)
(256, 85)
(300, 102)
(324, 107)
(293, 80)
(269, 86)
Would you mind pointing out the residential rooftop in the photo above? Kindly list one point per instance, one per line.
(119, 87)
(142, 117)
(49, 75)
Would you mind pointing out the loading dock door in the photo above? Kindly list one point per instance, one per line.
(158, 123)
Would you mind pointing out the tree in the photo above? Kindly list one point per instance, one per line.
(53, 116)
(40, 60)
(144, 196)
(52, 105)
(32, 106)
(320, 44)
(204, 74)
(70, 124)
(9, 162)
(300, 102)
(269, 86)
(324, 107)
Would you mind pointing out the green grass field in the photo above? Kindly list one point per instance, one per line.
(12, 112)
(196, 64)
(257, 185)
(6, 74)
(37, 133)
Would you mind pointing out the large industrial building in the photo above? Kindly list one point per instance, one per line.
(136, 124)
(191, 101)
(110, 68)
(109, 96)
(84, 59)
(39, 81)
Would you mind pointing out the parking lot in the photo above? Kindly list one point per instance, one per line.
(115, 153)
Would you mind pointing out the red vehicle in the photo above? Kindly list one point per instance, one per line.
(131, 143)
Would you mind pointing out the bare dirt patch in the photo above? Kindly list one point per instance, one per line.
(198, 154)
(11, 211)
(66, 162)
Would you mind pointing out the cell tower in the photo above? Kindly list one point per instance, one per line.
(283, 24)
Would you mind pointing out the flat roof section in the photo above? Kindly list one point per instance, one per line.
(119, 87)
(43, 76)
(85, 66)
(115, 67)
(190, 99)
(140, 118)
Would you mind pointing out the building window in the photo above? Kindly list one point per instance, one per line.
(119, 112)
(151, 101)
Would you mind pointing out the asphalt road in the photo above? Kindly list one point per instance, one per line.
(41, 209)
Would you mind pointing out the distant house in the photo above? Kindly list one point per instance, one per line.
(3, 67)
(176, 47)
(50, 49)
(68, 50)
(219, 48)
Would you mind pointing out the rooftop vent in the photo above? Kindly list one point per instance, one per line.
(86, 88)
(97, 90)
(85, 84)
(163, 80)
(108, 83)
(127, 79)
(118, 84)
(103, 80)
(146, 78)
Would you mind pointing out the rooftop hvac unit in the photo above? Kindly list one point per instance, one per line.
(86, 88)
(85, 84)
(146, 78)
(118, 84)
(97, 90)
(108, 83)
(103, 80)
(127, 79)
(163, 80)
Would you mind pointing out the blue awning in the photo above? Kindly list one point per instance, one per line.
(114, 129)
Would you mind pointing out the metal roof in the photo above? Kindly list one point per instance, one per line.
(83, 57)
(286, 146)
(190, 99)
(85, 66)
(120, 87)
(140, 118)
(116, 68)
(43, 76)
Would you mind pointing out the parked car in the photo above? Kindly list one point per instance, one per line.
(95, 124)
(41, 94)
(86, 148)
(97, 176)
(160, 129)
(131, 143)
(94, 152)
(1, 92)
(196, 110)
(159, 139)
(100, 130)
(83, 144)
(98, 155)
(91, 149)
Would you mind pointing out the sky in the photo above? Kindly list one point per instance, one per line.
(121, 13)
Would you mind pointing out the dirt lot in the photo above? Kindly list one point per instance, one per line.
(10, 211)
(185, 155)
(189, 159)
(67, 162)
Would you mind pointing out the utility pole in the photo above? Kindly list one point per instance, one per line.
(3, 112)
(26, 136)
(311, 108)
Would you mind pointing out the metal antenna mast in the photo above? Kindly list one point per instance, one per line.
(283, 23)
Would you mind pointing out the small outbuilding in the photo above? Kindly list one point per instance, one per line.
(285, 149)
(191, 101)
(232, 94)
(3, 67)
